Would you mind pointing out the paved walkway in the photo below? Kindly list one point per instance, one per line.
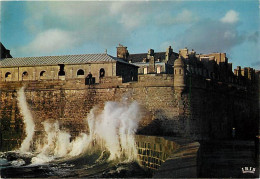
(226, 158)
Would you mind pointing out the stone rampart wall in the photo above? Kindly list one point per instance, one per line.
(69, 102)
(205, 109)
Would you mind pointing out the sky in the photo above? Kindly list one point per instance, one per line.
(44, 28)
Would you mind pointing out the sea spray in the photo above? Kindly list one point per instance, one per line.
(57, 144)
(116, 126)
(28, 121)
(111, 129)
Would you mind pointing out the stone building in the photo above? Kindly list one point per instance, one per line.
(95, 66)
(151, 62)
(214, 66)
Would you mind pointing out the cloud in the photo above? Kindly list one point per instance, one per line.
(49, 41)
(101, 24)
(185, 16)
(230, 17)
(256, 64)
(210, 36)
(254, 37)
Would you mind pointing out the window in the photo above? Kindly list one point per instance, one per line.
(101, 72)
(89, 80)
(25, 75)
(145, 70)
(61, 73)
(80, 72)
(42, 73)
(158, 70)
(180, 71)
(8, 75)
(132, 75)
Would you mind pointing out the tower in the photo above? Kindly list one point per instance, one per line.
(179, 74)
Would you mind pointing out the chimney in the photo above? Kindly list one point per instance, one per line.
(150, 53)
(239, 73)
(184, 53)
(168, 54)
(151, 68)
(122, 52)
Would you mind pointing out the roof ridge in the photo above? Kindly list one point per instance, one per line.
(58, 55)
(136, 53)
(144, 53)
(63, 59)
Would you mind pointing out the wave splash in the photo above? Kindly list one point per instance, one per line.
(28, 121)
(110, 129)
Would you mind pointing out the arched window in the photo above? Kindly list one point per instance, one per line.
(101, 72)
(80, 72)
(25, 75)
(8, 75)
(42, 73)
(180, 71)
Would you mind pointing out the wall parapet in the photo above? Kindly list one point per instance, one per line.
(153, 150)
(167, 157)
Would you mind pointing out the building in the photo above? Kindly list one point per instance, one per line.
(151, 62)
(95, 66)
(5, 53)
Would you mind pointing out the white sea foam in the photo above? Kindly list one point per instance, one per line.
(18, 162)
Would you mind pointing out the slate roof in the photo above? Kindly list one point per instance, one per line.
(147, 63)
(55, 60)
(135, 58)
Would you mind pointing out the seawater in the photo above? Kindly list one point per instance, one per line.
(107, 150)
(13, 165)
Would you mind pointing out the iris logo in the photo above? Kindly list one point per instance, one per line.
(248, 170)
